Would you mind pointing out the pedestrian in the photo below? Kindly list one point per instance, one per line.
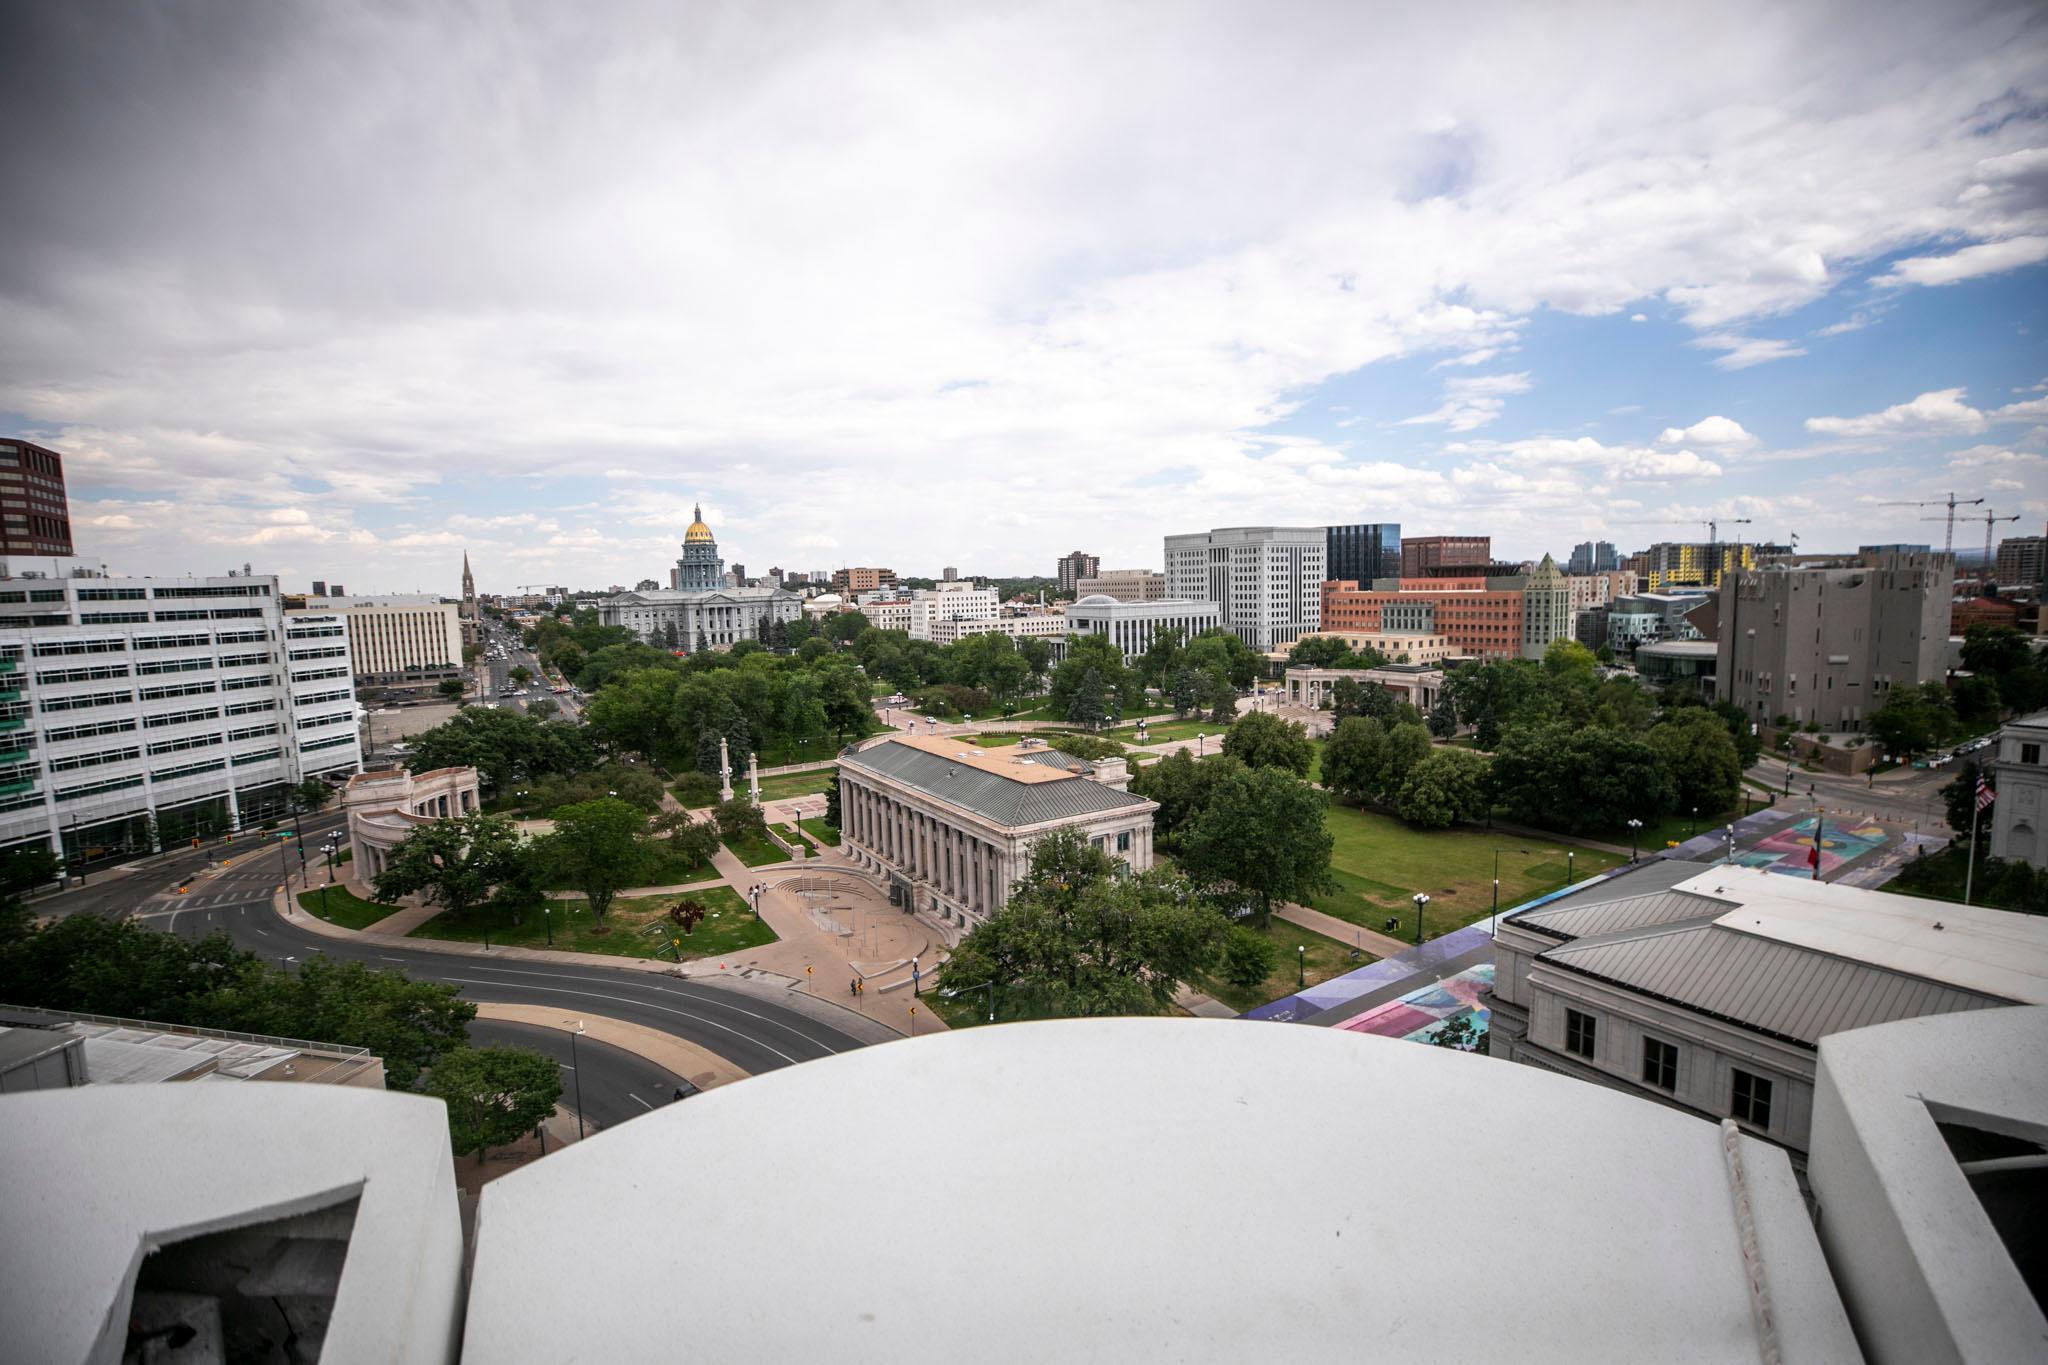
(853, 985)
(860, 987)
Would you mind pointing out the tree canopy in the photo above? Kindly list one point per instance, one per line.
(1261, 832)
(494, 1095)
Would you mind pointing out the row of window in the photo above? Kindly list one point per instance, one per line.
(164, 691)
(331, 718)
(316, 698)
(330, 742)
(184, 742)
(93, 760)
(1749, 1095)
(85, 699)
(315, 674)
(245, 708)
(120, 726)
(51, 677)
(183, 717)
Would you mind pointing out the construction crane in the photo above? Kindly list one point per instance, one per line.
(1952, 502)
(1991, 519)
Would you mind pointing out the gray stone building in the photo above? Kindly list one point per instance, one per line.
(1824, 646)
(1267, 580)
(2022, 801)
(701, 611)
(1709, 987)
(1130, 626)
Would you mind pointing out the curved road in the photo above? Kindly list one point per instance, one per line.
(754, 1034)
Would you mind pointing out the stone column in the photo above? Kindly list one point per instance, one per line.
(724, 771)
(754, 778)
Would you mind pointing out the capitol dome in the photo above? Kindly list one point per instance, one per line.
(699, 533)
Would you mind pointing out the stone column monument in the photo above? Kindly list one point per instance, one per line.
(724, 772)
(754, 778)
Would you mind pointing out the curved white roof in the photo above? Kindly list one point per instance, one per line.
(1137, 1189)
(1096, 599)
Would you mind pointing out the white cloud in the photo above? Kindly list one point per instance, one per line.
(1939, 413)
(1986, 258)
(1474, 402)
(1708, 431)
(1741, 352)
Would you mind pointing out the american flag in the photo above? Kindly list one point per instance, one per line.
(1985, 796)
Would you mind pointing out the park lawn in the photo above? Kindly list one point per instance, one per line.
(728, 928)
(784, 785)
(820, 832)
(343, 907)
(756, 851)
(1380, 863)
(1675, 829)
(1159, 732)
(797, 837)
(791, 751)
(1322, 959)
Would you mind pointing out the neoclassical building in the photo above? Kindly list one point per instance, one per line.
(950, 826)
(699, 612)
(385, 806)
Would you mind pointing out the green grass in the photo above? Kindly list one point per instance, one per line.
(784, 785)
(1324, 958)
(663, 869)
(820, 832)
(755, 851)
(797, 837)
(793, 751)
(1159, 732)
(1379, 864)
(1674, 829)
(732, 929)
(346, 855)
(343, 907)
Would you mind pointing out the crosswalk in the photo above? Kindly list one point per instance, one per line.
(164, 906)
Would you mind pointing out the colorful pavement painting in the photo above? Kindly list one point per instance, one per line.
(1788, 850)
(1419, 1014)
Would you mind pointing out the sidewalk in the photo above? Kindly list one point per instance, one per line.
(1344, 931)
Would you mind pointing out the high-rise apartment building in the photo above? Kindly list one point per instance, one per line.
(394, 640)
(2022, 560)
(1266, 581)
(850, 582)
(137, 712)
(1693, 564)
(35, 513)
(1076, 566)
(1827, 646)
(1359, 554)
(1424, 556)
(1593, 556)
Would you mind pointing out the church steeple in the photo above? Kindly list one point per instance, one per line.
(468, 579)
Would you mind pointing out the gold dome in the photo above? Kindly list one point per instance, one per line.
(699, 533)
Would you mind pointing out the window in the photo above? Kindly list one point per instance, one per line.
(173, 665)
(1660, 1064)
(2030, 753)
(87, 699)
(189, 689)
(1579, 1032)
(1750, 1101)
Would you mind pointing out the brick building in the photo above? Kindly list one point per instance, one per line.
(1476, 619)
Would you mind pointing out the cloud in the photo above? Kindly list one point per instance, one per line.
(1939, 413)
(1708, 431)
(1624, 464)
(1472, 403)
(1741, 352)
(1986, 258)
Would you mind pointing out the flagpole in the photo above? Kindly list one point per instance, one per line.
(1820, 829)
(1970, 874)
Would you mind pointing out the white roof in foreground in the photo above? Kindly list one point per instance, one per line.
(1996, 952)
(1134, 1189)
(98, 1176)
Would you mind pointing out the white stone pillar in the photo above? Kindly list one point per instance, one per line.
(754, 778)
(724, 771)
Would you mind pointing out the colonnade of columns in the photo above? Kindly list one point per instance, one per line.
(972, 873)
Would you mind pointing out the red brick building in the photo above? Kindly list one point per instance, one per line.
(1424, 555)
(1479, 621)
(35, 513)
(1981, 611)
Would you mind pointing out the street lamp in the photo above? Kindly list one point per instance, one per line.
(1496, 880)
(1300, 965)
(989, 986)
(547, 913)
(1692, 826)
(520, 797)
(1633, 825)
(575, 1065)
(1569, 865)
(1421, 899)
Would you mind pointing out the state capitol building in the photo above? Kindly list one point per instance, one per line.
(703, 610)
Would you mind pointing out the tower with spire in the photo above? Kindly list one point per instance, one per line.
(700, 569)
(468, 588)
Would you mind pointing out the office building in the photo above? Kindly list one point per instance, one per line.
(402, 639)
(35, 511)
(1547, 614)
(1266, 581)
(1361, 553)
(853, 582)
(1433, 556)
(1825, 646)
(1692, 564)
(2017, 816)
(1130, 626)
(950, 826)
(1125, 585)
(1074, 567)
(922, 611)
(143, 711)
(1593, 556)
(1481, 618)
(1709, 987)
(1050, 624)
(2022, 560)
(950, 571)
(319, 587)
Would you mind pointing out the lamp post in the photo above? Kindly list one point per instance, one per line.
(989, 986)
(1731, 843)
(1692, 826)
(547, 918)
(1421, 899)
(1496, 881)
(520, 797)
(1633, 825)
(575, 1065)
(1569, 866)
(1300, 965)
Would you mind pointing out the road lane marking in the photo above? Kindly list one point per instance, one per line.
(641, 1004)
(709, 999)
(382, 958)
(637, 1100)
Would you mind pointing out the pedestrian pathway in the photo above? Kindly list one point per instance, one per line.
(1344, 931)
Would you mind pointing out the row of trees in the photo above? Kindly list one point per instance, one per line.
(756, 702)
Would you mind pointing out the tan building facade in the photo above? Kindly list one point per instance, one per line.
(1125, 585)
(385, 806)
(950, 827)
(407, 637)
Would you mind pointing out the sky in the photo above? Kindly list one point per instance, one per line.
(344, 290)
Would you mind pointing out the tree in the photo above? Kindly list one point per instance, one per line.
(1185, 690)
(740, 819)
(1447, 786)
(1162, 656)
(1086, 653)
(1705, 767)
(1261, 832)
(1407, 745)
(1260, 739)
(453, 863)
(1959, 800)
(1037, 656)
(1571, 663)
(22, 869)
(1076, 939)
(847, 626)
(1087, 703)
(1913, 719)
(1749, 746)
(1248, 958)
(450, 688)
(832, 801)
(1181, 784)
(494, 1095)
(1443, 718)
(1590, 779)
(1353, 756)
(596, 847)
(689, 841)
(309, 796)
